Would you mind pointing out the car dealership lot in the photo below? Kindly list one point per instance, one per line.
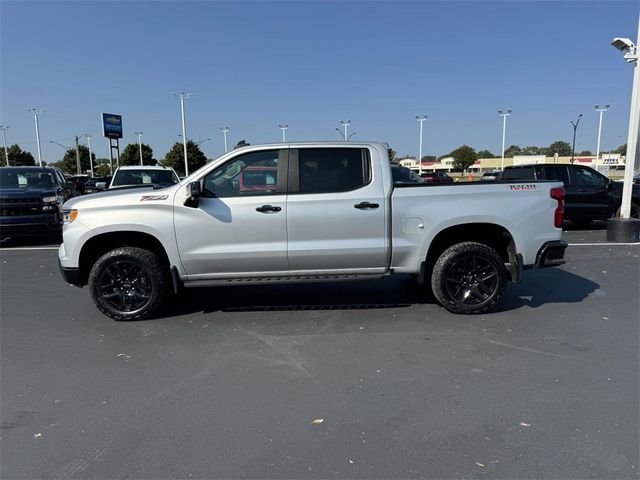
(228, 384)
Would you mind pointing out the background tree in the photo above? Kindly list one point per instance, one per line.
(429, 158)
(485, 154)
(585, 153)
(101, 167)
(19, 157)
(131, 155)
(392, 154)
(622, 150)
(533, 150)
(68, 162)
(562, 148)
(175, 157)
(463, 157)
(512, 151)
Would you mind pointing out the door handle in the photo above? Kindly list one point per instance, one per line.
(268, 208)
(366, 205)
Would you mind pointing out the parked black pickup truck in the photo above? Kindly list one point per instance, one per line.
(31, 199)
(589, 195)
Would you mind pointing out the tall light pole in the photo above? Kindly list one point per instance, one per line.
(632, 55)
(420, 119)
(139, 134)
(601, 109)
(182, 96)
(89, 137)
(504, 114)
(573, 146)
(36, 113)
(345, 124)
(283, 127)
(4, 141)
(224, 131)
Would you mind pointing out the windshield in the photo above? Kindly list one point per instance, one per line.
(144, 177)
(26, 178)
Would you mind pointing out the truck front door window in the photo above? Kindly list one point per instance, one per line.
(255, 173)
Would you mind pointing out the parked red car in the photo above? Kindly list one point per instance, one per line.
(436, 177)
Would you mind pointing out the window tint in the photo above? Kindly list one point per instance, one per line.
(24, 178)
(518, 173)
(253, 173)
(586, 176)
(558, 173)
(325, 170)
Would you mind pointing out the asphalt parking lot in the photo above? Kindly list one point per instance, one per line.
(343, 380)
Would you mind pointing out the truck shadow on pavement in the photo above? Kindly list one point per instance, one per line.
(539, 287)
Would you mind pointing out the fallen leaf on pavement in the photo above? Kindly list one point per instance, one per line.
(37, 435)
(480, 464)
(317, 421)
(525, 424)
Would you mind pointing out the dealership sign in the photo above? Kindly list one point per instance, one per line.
(111, 125)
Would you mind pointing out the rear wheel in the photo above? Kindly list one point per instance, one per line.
(635, 210)
(469, 278)
(128, 283)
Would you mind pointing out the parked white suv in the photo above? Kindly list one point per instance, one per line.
(144, 175)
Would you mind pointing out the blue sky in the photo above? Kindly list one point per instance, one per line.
(254, 64)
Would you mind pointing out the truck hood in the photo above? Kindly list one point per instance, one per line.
(122, 197)
(29, 192)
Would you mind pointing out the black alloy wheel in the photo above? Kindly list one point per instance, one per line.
(129, 283)
(469, 278)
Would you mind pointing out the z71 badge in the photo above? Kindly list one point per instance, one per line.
(150, 198)
(530, 186)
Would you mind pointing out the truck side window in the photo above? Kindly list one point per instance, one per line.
(586, 176)
(330, 170)
(558, 173)
(254, 173)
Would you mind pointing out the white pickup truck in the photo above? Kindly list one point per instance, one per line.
(299, 212)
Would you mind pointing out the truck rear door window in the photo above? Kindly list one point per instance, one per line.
(558, 173)
(327, 170)
(518, 173)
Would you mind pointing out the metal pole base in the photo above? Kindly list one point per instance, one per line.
(625, 230)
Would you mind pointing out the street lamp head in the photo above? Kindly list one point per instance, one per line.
(283, 125)
(601, 108)
(345, 122)
(421, 117)
(504, 112)
(224, 129)
(623, 44)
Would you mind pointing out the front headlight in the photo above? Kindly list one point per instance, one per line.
(50, 199)
(69, 216)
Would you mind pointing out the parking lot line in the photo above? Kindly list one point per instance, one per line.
(603, 244)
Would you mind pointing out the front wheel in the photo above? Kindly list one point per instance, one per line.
(128, 283)
(469, 278)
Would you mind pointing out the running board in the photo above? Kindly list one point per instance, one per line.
(279, 280)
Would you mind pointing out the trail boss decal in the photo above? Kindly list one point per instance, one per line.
(151, 198)
(530, 186)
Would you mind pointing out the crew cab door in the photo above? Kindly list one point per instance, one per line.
(239, 225)
(336, 211)
(589, 193)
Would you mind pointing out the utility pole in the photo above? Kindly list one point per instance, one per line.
(4, 140)
(283, 127)
(140, 144)
(504, 114)
(345, 124)
(421, 119)
(575, 127)
(224, 131)
(89, 137)
(601, 109)
(78, 166)
(36, 113)
(182, 96)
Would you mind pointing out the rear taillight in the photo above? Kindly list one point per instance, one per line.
(558, 194)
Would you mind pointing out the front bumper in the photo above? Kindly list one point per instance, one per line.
(551, 254)
(29, 225)
(70, 275)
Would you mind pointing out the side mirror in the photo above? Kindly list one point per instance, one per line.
(101, 185)
(195, 190)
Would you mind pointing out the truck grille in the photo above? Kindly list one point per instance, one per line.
(14, 207)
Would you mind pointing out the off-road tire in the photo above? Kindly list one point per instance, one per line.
(469, 270)
(635, 210)
(129, 269)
